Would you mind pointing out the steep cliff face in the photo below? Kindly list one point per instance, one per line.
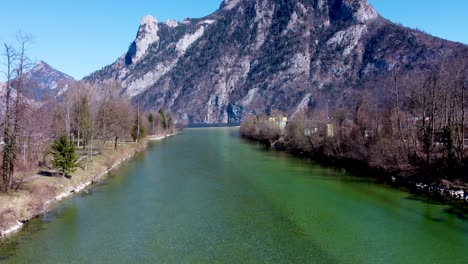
(253, 55)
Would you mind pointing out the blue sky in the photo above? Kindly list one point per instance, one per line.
(79, 37)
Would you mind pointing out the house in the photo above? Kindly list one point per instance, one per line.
(310, 131)
(416, 119)
(280, 122)
(329, 128)
(369, 133)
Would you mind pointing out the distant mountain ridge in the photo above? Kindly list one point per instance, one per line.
(43, 81)
(253, 55)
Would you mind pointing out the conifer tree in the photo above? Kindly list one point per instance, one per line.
(64, 155)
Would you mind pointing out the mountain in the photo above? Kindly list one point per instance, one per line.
(2, 96)
(43, 81)
(253, 55)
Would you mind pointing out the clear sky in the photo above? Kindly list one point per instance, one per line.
(79, 37)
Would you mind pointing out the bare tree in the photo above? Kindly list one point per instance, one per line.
(10, 57)
(16, 63)
(113, 114)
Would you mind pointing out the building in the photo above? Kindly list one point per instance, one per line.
(329, 129)
(281, 122)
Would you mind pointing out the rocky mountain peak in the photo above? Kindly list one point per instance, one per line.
(229, 4)
(148, 20)
(41, 66)
(362, 10)
(253, 55)
(172, 23)
(146, 36)
(43, 80)
(42, 70)
(358, 10)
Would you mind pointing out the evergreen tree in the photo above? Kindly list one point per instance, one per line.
(163, 119)
(170, 123)
(64, 155)
(151, 122)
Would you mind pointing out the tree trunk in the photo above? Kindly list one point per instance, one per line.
(6, 127)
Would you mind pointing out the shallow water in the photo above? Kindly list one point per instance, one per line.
(208, 196)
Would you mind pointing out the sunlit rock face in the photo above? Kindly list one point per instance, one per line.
(147, 36)
(253, 55)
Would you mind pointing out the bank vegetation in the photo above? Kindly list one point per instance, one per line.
(409, 127)
(55, 147)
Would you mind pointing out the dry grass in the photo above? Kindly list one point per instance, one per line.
(7, 218)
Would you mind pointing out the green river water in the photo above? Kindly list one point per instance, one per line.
(207, 196)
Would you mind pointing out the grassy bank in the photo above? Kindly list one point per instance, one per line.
(41, 188)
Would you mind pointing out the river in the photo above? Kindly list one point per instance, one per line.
(207, 196)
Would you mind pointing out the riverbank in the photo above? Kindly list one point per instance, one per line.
(187, 200)
(449, 191)
(36, 197)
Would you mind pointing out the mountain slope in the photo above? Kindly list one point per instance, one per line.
(253, 55)
(43, 81)
(2, 99)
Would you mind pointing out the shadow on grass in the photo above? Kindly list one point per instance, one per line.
(45, 173)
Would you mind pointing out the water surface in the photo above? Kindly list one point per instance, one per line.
(208, 196)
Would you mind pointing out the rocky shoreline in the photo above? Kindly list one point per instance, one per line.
(442, 190)
(15, 227)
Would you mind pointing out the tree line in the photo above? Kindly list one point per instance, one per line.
(83, 118)
(412, 123)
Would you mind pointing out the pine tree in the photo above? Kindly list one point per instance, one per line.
(163, 119)
(64, 155)
(151, 122)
